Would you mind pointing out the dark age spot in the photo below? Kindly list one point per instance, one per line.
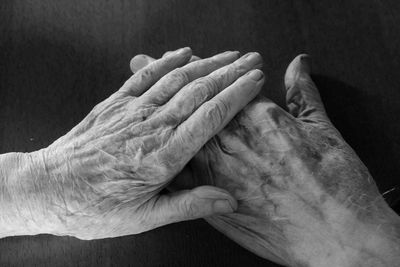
(314, 207)
(310, 152)
(322, 198)
(275, 114)
(329, 184)
(332, 141)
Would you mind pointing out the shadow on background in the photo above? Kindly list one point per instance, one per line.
(50, 85)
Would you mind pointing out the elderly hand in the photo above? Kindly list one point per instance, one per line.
(103, 178)
(304, 197)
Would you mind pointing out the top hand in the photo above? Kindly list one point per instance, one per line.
(304, 197)
(103, 178)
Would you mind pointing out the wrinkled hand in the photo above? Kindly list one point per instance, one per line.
(103, 178)
(304, 197)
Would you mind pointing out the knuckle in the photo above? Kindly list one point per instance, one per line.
(202, 90)
(189, 209)
(213, 62)
(206, 85)
(147, 72)
(180, 75)
(209, 82)
(189, 137)
(217, 110)
(224, 75)
(171, 118)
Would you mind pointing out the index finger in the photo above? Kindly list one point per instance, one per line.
(143, 79)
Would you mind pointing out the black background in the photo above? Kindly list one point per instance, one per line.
(58, 58)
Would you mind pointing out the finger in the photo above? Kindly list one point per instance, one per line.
(193, 58)
(139, 62)
(200, 202)
(213, 115)
(171, 83)
(146, 77)
(302, 97)
(167, 53)
(188, 99)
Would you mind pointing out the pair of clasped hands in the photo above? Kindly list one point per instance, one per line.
(283, 184)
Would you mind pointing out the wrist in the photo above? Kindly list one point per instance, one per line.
(28, 198)
(350, 242)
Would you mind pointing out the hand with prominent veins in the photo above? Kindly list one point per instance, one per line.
(104, 177)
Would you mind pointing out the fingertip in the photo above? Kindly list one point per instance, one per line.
(167, 53)
(175, 51)
(232, 202)
(226, 57)
(302, 96)
(253, 59)
(256, 75)
(194, 58)
(221, 206)
(259, 56)
(300, 66)
(306, 61)
(185, 52)
(221, 198)
(140, 61)
(179, 57)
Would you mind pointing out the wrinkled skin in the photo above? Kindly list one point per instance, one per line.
(304, 197)
(103, 178)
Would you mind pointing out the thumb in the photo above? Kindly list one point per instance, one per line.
(302, 96)
(202, 201)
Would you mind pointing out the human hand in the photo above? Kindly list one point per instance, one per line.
(304, 197)
(103, 178)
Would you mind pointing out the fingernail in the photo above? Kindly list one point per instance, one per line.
(252, 58)
(139, 62)
(256, 75)
(223, 206)
(228, 54)
(182, 51)
(305, 63)
(231, 52)
(247, 55)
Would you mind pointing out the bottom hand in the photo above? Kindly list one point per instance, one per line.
(304, 197)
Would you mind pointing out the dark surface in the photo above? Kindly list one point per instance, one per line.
(59, 58)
